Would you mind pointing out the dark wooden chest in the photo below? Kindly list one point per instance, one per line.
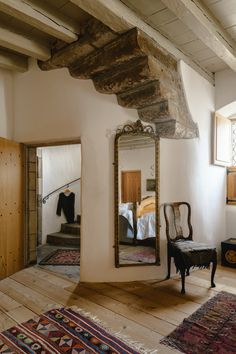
(228, 253)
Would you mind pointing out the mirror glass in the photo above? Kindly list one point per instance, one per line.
(137, 233)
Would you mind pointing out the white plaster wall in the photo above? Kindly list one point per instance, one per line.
(52, 105)
(225, 83)
(186, 170)
(226, 96)
(60, 165)
(6, 104)
(230, 221)
(139, 159)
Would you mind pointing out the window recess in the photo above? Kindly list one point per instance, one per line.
(231, 185)
(231, 171)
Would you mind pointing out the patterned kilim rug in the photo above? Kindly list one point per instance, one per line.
(211, 329)
(62, 257)
(136, 254)
(61, 331)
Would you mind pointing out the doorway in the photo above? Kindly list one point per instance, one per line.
(130, 186)
(55, 223)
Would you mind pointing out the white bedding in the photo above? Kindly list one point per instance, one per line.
(128, 214)
(146, 226)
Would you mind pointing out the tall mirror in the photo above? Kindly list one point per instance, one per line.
(136, 195)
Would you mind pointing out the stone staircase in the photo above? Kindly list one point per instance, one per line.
(68, 236)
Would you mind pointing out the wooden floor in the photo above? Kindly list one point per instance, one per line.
(143, 311)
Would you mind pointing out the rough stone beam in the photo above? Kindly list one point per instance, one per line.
(13, 62)
(115, 53)
(128, 46)
(142, 75)
(159, 112)
(141, 96)
(93, 35)
(23, 45)
(34, 17)
(199, 19)
(120, 18)
(125, 76)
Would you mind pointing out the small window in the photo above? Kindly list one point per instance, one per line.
(225, 152)
(231, 185)
(222, 141)
(233, 142)
(231, 171)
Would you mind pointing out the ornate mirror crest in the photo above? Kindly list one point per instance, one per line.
(136, 195)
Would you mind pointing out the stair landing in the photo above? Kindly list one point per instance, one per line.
(63, 239)
(69, 235)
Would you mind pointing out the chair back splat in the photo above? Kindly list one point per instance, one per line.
(175, 207)
(183, 249)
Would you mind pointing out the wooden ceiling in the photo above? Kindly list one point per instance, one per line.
(198, 28)
(33, 28)
(203, 33)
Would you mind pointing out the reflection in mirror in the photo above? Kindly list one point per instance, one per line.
(136, 196)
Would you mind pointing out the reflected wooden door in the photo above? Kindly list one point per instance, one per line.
(11, 207)
(130, 186)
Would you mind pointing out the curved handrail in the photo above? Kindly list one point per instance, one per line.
(44, 199)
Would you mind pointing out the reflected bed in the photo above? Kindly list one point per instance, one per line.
(145, 219)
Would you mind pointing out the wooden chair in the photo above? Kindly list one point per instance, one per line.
(183, 249)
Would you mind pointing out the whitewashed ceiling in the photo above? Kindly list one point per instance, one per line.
(168, 17)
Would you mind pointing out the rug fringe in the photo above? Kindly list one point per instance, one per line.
(169, 344)
(128, 341)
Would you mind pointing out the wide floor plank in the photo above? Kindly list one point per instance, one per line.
(144, 311)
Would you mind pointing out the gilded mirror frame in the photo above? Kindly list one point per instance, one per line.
(134, 129)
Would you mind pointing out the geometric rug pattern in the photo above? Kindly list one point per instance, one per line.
(211, 329)
(62, 257)
(60, 331)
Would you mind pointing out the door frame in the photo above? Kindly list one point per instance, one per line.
(31, 195)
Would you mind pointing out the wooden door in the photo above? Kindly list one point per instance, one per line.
(11, 207)
(130, 186)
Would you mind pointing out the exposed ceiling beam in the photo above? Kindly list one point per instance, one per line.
(13, 62)
(120, 18)
(23, 45)
(200, 20)
(37, 18)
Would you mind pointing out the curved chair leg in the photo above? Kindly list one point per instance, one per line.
(168, 265)
(182, 272)
(214, 265)
(187, 272)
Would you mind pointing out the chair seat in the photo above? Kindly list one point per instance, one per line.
(189, 254)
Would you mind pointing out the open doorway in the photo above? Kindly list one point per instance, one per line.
(55, 243)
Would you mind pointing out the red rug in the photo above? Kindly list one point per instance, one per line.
(62, 257)
(137, 254)
(210, 330)
(61, 331)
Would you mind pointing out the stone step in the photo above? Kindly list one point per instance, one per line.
(73, 229)
(63, 239)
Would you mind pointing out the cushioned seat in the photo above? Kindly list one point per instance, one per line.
(183, 249)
